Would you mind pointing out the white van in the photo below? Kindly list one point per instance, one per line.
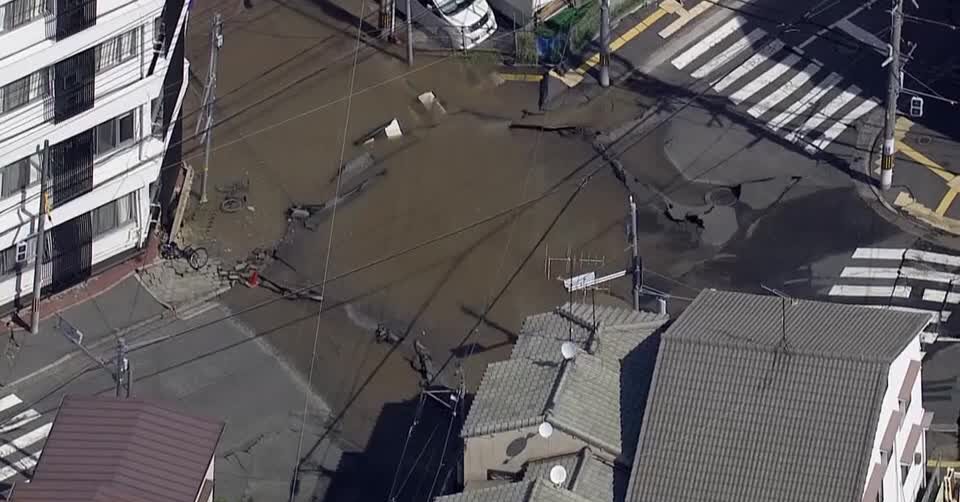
(464, 23)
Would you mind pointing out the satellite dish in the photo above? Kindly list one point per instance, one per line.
(569, 350)
(558, 475)
(545, 430)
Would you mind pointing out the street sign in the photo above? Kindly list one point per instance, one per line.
(68, 331)
(916, 106)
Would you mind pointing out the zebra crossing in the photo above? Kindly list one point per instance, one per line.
(22, 435)
(811, 106)
(907, 279)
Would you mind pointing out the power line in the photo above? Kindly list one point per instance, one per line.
(329, 252)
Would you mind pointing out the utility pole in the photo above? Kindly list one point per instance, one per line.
(637, 265)
(209, 97)
(605, 43)
(122, 368)
(893, 93)
(409, 35)
(41, 227)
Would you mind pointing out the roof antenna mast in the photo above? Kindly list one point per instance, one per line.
(783, 312)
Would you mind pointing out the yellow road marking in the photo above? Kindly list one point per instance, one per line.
(946, 201)
(685, 17)
(574, 77)
(924, 161)
(521, 77)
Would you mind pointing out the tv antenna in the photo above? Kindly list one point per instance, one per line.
(783, 312)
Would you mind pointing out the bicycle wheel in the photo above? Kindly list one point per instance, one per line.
(198, 258)
(231, 205)
(167, 251)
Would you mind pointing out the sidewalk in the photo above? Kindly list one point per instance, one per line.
(124, 306)
(925, 179)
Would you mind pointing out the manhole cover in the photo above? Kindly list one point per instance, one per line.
(721, 197)
(924, 140)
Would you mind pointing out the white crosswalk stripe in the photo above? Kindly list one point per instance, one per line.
(911, 280)
(754, 86)
(729, 53)
(23, 433)
(785, 91)
(762, 56)
(820, 117)
(768, 74)
(838, 127)
(705, 44)
(799, 107)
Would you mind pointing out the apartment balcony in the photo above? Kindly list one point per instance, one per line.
(40, 32)
(103, 159)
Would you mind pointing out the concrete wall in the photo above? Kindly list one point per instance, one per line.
(508, 452)
(896, 487)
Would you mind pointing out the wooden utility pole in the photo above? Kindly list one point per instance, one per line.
(42, 216)
(893, 94)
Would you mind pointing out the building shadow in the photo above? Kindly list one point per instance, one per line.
(393, 467)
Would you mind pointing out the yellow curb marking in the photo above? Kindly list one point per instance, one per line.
(951, 179)
(923, 213)
(574, 77)
(521, 77)
(685, 17)
(943, 463)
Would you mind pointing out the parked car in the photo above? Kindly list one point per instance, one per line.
(463, 24)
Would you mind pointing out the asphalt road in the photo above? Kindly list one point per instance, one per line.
(217, 371)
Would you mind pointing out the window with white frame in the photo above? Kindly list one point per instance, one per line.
(156, 117)
(19, 175)
(114, 134)
(158, 33)
(115, 214)
(25, 90)
(17, 13)
(116, 50)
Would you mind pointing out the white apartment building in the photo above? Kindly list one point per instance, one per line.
(103, 81)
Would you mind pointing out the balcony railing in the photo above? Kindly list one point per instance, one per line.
(74, 16)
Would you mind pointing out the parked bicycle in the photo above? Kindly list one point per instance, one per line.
(235, 195)
(196, 257)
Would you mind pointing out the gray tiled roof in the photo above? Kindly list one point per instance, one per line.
(811, 327)
(586, 402)
(795, 420)
(512, 394)
(581, 397)
(620, 331)
(523, 491)
(587, 475)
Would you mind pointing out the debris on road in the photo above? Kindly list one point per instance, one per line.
(390, 129)
(354, 166)
(314, 214)
(430, 103)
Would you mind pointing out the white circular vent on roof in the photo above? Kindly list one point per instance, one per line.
(545, 430)
(569, 350)
(558, 475)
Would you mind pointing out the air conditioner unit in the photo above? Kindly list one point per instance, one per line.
(22, 251)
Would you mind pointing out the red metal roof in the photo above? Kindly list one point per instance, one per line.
(107, 449)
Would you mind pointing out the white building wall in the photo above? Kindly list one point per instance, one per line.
(21, 46)
(118, 90)
(896, 487)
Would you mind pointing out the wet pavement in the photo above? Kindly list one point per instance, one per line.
(431, 242)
